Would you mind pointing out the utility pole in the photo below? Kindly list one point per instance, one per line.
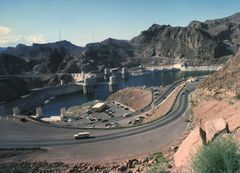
(93, 37)
(60, 34)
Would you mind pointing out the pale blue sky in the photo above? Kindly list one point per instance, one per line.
(30, 21)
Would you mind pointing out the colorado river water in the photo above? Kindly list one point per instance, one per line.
(101, 90)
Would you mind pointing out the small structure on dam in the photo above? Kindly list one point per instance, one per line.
(86, 80)
(113, 84)
(39, 112)
(16, 111)
(63, 113)
(124, 73)
(106, 73)
(88, 86)
(114, 71)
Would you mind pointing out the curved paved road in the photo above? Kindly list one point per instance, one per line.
(107, 144)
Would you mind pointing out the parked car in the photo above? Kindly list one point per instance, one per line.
(137, 121)
(91, 125)
(92, 119)
(115, 124)
(105, 120)
(141, 118)
(23, 120)
(108, 125)
(127, 115)
(99, 119)
(111, 116)
(129, 122)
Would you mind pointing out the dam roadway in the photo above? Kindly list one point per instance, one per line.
(106, 145)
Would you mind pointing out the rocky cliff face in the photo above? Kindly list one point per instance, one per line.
(207, 42)
(13, 65)
(13, 88)
(106, 54)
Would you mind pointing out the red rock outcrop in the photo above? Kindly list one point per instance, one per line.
(214, 127)
(189, 148)
(233, 122)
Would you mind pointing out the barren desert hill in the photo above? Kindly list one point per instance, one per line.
(226, 80)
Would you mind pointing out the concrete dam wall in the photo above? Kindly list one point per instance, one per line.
(37, 98)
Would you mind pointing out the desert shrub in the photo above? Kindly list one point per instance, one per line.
(15, 168)
(161, 164)
(219, 156)
(238, 97)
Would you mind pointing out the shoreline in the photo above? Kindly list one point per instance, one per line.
(183, 68)
(22, 103)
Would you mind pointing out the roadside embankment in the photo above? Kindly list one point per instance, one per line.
(164, 107)
(142, 164)
(216, 107)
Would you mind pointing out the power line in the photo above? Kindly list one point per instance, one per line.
(93, 37)
(60, 34)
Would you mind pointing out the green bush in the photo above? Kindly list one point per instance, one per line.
(161, 164)
(238, 97)
(219, 156)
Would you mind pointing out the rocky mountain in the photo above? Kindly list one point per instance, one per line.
(38, 58)
(10, 64)
(13, 88)
(42, 51)
(208, 42)
(2, 49)
(106, 54)
(68, 58)
(199, 43)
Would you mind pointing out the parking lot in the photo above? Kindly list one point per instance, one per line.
(111, 116)
(107, 118)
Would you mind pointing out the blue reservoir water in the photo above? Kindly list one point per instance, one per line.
(101, 90)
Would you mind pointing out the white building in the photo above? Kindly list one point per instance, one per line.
(99, 107)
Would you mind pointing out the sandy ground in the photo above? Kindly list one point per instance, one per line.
(134, 98)
(208, 107)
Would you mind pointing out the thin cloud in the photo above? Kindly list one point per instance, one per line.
(39, 38)
(13, 40)
(4, 30)
(8, 40)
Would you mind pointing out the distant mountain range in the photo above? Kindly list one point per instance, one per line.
(42, 51)
(199, 43)
(2, 49)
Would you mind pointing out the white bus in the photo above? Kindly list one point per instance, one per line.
(82, 135)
